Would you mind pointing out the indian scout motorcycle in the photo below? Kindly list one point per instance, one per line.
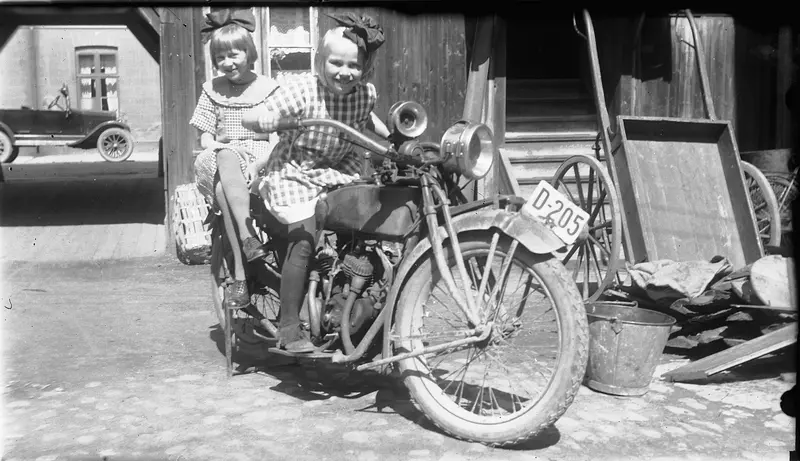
(485, 327)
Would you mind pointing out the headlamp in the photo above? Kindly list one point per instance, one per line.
(470, 149)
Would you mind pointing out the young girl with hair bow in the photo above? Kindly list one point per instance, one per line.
(226, 165)
(302, 166)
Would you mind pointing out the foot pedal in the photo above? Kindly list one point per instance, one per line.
(316, 355)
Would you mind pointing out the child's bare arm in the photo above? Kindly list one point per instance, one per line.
(376, 125)
(208, 141)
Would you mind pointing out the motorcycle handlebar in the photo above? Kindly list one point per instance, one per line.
(250, 121)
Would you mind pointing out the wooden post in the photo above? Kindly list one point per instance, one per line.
(783, 127)
(477, 80)
(178, 99)
(496, 104)
(478, 70)
(700, 56)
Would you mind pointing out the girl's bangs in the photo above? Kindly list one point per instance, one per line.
(232, 38)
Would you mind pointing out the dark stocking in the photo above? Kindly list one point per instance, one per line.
(294, 275)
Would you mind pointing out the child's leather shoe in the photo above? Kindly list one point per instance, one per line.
(253, 249)
(238, 296)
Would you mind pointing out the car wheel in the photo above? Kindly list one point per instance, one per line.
(115, 144)
(8, 151)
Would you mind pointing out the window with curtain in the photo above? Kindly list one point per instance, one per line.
(290, 42)
(98, 78)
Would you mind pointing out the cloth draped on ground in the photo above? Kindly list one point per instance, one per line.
(681, 283)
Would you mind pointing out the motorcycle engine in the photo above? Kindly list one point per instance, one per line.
(360, 268)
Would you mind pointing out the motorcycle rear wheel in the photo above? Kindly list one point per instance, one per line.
(442, 391)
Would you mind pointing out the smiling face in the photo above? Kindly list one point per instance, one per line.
(233, 52)
(233, 64)
(343, 65)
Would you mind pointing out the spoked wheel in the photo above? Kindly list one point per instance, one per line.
(765, 205)
(786, 192)
(595, 261)
(250, 330)
(519, 380)
(8, 151)
(115, 144)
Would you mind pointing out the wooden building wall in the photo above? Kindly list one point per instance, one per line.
(423, 59)
(657, 74)
(182, 77)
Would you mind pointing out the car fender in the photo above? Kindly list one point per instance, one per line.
(90, 140)
(7, 130)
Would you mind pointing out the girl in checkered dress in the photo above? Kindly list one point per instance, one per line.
(303, 165)
(226, 165)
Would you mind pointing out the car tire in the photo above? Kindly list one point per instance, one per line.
(8, 151)
(115, 144)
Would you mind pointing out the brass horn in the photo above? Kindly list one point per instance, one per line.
(408, 119)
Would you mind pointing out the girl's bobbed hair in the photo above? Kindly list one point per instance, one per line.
(232, 37)
(337, 33)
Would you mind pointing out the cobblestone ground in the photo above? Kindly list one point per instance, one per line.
(122, 360)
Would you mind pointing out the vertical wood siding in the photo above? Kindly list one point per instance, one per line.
(423, 59)
(660, 76)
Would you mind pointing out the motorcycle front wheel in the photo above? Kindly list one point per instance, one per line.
(519, 381)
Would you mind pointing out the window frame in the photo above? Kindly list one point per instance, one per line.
(96, 51)
(311, 47)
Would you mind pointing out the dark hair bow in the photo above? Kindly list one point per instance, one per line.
(221, 17)
(361, 30)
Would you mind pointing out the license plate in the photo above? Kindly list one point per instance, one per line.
(565, 218)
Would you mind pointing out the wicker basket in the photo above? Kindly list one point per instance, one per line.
(192, 237)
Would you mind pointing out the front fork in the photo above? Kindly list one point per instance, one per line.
(471, 307)
(466, 302)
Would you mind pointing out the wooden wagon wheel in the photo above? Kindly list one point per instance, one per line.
(786, 191)
(595, 261)
(765, 205)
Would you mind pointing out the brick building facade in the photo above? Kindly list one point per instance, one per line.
(103, 67)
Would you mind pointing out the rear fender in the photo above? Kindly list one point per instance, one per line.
(90, 140)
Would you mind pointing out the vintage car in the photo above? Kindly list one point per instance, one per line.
(59, 125)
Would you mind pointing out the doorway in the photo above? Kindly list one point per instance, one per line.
(542, 44)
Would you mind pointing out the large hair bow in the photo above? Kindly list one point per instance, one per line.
(362, 30)
(220, 17)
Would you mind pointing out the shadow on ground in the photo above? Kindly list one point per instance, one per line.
(309, 380)
(85, 201)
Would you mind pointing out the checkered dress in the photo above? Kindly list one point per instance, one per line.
(305, 163)
(219, 112)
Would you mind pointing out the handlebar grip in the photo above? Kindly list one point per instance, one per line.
(250, 121)
(286, 124)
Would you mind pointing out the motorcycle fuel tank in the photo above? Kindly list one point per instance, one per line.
(386, 212)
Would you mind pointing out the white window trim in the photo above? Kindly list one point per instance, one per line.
(312, 47)
(96, 50)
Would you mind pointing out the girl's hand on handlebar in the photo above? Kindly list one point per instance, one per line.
(268, 122)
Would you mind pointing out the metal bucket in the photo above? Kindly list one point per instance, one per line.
(625, 345)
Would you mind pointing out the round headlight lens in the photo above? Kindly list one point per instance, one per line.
(480, 152)
(471, 149)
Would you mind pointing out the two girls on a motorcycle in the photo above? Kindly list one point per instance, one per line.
(300, 168)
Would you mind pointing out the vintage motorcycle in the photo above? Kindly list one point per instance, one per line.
(486, 328)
